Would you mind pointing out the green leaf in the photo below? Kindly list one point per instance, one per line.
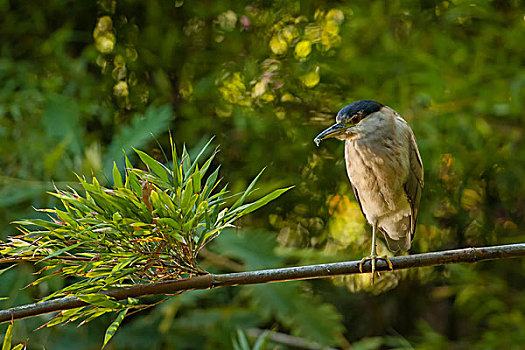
(132, 183)
(242, 341)
(93, 314)
(117, 178)
(186, 195)
(166, 200)
(210, 182)
(196, 160)
(196, 180)
(7, 268)
(185, 162)
(100, 300)
(247, 191)
(63, 250)
(57, 320)
(208, 236)
(7, 339)
(158, 206)
(66, 218)
(154, 165)
(248, 208)
(38, 222)
(112, 329)
(71, 313)
(261, 341)
(125, 263)
(177, 180)
(170, 222)
(207, 164)
(42, 279)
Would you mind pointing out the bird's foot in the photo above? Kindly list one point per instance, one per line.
(373, 260)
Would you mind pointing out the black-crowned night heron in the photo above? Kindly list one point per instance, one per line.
(385, 170)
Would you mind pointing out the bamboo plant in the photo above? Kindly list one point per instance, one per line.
(148, 227)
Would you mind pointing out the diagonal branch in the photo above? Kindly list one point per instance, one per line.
(466, 255)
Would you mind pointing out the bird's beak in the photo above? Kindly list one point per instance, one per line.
(332, 131)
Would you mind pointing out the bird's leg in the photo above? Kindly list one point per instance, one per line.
(373, 257)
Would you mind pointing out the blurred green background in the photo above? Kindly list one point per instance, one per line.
(82, 80)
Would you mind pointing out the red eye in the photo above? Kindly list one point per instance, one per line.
(356, 118)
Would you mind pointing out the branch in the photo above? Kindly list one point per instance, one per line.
(209, 281)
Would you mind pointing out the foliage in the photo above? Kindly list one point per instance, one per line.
(149, 227)
(265, 77)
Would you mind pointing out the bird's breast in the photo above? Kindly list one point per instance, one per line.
(378, 169)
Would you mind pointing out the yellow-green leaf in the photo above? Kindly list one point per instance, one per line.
(101, 300)
(264, 200)
(311, 79)
(117, 178)
(154, 165)
(7, 338)
(303, 49)
(112, 329)
(278, 45)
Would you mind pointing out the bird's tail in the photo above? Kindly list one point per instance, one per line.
(401, 242)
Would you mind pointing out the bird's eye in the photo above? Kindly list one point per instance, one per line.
(356, 118)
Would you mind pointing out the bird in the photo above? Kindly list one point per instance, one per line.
(385, 170)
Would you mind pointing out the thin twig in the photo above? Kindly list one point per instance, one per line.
(467, 255)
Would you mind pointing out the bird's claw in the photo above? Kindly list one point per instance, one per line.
(373, 260)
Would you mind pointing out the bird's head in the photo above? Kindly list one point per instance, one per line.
(347, 118)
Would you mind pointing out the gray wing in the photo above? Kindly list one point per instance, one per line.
(357, 198)
(414, 183)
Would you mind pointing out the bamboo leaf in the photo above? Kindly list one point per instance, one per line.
(170, 222)
(261, 341)
(56, 320)
(185, 162)
(211, 182)
(196, 160)
(263, 201)
(167, 201)
(158, 205)
(38, 222)
(7, 268)
(100, 300)
(176, 179)
(186, 195)
(74, 312)
(117, 178)
(63, 250)
(207, 164)
(7, 339)
(247, 191)
(196, 180)
(242, 340)
(112, 329)
(125, 263)
(154, 165)
(94, 313)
